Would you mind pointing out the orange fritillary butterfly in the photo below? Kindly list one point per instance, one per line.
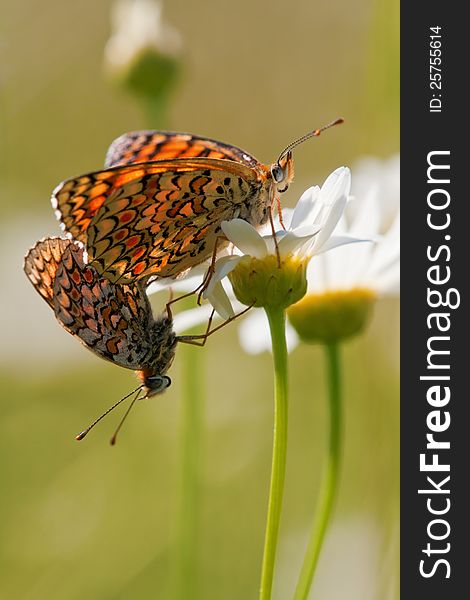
(112, 320)
(157, 207)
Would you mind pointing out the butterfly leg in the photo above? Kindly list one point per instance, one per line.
(200, 340)
(173, 300)
(279, 211)
(205, 282)
(273, 229)
(211, 270)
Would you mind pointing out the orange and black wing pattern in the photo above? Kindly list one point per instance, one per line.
(114, 322)
(41, 264)
(163, 216)
(150, 145)
(167, 223)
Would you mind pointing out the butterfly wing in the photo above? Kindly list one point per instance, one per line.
(170, 222)
(41, 264)
(161, 217)
(145, 146)
(77, 200)
(113, 321)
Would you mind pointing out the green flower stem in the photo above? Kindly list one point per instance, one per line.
(330, 478)
(156, 112)
(192, 364)
(276, 317)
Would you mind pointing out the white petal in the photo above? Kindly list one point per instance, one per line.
(222, 268)
(292, 339)
(293, 240)
(303, 212)
(254, 332)
(224, 265)
(388, 251)
(340, 240)
(368, 216)
(388, 282)
(316, 274)
(255, 337)
(177, 285)
(356, 260)
(386, 262)
(384, 176)
(287, 214)
(245, 237)
(188, 319)
(342, 225)
(333, 196)
(336, 184)
(220, 301)
(375, 265)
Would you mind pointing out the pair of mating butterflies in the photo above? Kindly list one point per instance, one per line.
(155, 210)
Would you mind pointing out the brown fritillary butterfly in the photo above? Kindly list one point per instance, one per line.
(114, 321)
(157, 207)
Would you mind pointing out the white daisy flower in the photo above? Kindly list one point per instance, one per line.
(343, 285)
(372, 213)
(310, 233)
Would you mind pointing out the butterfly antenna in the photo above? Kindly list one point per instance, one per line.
(112, 441)
(307, 136)
(81, 435)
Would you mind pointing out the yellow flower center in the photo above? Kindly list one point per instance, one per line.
(263, 283)
(332, 316)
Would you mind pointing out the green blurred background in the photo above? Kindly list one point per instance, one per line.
(88, 520)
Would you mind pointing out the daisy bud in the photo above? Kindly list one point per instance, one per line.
(263, 283)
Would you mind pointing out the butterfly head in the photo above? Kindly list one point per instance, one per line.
(156, 384)
(282, 172)
(153, 376)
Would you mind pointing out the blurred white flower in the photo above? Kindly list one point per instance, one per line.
(374, 210)
(137, 24)
(143, 51)
(379, 176)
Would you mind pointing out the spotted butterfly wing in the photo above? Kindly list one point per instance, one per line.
(77, 200)
(113, 321)
(161, 216)
(150, 145)
(41, 264)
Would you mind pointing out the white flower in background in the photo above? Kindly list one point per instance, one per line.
(346, 281)
(375, 213)
(136, 25)
(375, 176)
(143, 51)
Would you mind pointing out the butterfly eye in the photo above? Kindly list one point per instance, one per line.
(277, 173)
(157, 383)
